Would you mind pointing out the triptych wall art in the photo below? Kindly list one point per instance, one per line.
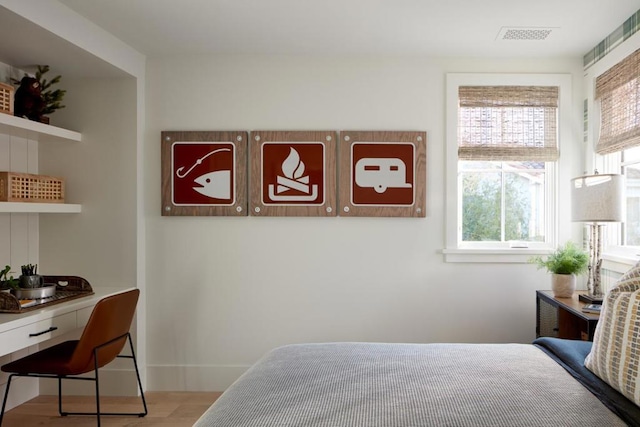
(294, 173)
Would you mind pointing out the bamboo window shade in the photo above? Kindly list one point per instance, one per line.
(618, 90)
(508, 123)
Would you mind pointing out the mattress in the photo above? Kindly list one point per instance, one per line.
(376, 384)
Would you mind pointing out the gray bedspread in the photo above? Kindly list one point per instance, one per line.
(394, 385)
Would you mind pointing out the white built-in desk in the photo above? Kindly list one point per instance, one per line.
(18, 331)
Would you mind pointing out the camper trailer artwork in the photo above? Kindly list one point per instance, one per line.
(203, 173)
(293, 173)
(382, 174)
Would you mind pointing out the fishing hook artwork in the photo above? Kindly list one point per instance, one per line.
(198, 162)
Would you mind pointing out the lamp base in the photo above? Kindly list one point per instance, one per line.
(591, 299)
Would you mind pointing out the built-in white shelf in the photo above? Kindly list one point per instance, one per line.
(41, 132)
(12, 125)
(17, 207)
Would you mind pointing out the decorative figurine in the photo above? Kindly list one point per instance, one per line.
(28, 99)
(34, 100)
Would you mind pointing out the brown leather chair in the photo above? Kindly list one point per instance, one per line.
(102, 340)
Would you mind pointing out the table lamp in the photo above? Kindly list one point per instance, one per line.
(596, 199)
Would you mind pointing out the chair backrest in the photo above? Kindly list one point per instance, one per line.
(111, 318)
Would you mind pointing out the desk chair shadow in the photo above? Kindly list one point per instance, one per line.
(102, 340)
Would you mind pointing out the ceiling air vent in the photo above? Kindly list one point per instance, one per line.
(524, 33)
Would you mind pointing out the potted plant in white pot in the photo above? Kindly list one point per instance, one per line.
(564, 264)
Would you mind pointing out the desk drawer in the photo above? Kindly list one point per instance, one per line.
(83, 316)
(35, 333)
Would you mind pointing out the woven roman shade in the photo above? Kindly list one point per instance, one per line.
(618, 90)
(508, 123)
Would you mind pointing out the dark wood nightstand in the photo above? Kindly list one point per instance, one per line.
(563, 317)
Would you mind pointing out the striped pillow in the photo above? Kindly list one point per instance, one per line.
(615, 355)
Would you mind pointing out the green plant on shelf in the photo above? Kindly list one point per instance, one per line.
(6, 281)
(52, 98)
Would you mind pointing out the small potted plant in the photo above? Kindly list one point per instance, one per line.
(7, 282)
(564, 264)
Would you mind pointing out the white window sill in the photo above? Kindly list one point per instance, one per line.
(506, 255)
(620, 258)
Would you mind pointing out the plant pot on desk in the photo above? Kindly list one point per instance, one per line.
(563, 285)
(563, 264)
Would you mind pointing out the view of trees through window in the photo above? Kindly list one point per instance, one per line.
(502, 201)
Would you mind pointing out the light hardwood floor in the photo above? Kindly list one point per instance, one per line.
(174, 409)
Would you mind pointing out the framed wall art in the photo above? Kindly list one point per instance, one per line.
(204, 173)
(293, 173)
(382, 173)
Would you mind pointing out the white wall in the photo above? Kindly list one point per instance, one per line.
(222, 291)
(100, 173)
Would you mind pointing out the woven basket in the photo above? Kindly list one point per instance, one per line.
(24, 187)
(6, 98)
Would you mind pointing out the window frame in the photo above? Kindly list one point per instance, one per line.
(614, 250)
(456, 251)
(615, 256)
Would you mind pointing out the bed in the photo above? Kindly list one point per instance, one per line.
(373, 384)
(551, 382)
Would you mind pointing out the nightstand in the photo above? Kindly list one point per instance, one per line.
(563, 317)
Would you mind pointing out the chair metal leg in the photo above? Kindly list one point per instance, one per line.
(135, 365)
(62, 414)
(95, 361)
(4, 401)
(98, 413)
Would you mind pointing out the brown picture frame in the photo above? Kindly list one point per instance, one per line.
(391, 185)
(277, 190)
(236, 178)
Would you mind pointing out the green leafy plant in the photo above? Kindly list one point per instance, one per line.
(8, 282)
(52, 98)
(567, 259)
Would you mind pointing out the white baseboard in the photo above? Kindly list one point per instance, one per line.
(122, 382)
(192, 378)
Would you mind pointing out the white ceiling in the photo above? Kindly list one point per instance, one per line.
(452, 28)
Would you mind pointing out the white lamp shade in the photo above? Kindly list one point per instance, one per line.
(598, 198)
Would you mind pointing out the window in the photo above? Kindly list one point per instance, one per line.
(502, 152)
(502, 202)
(617, 93)
(631, 169)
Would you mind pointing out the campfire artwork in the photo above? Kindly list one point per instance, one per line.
(293, 170)
(293, 173)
